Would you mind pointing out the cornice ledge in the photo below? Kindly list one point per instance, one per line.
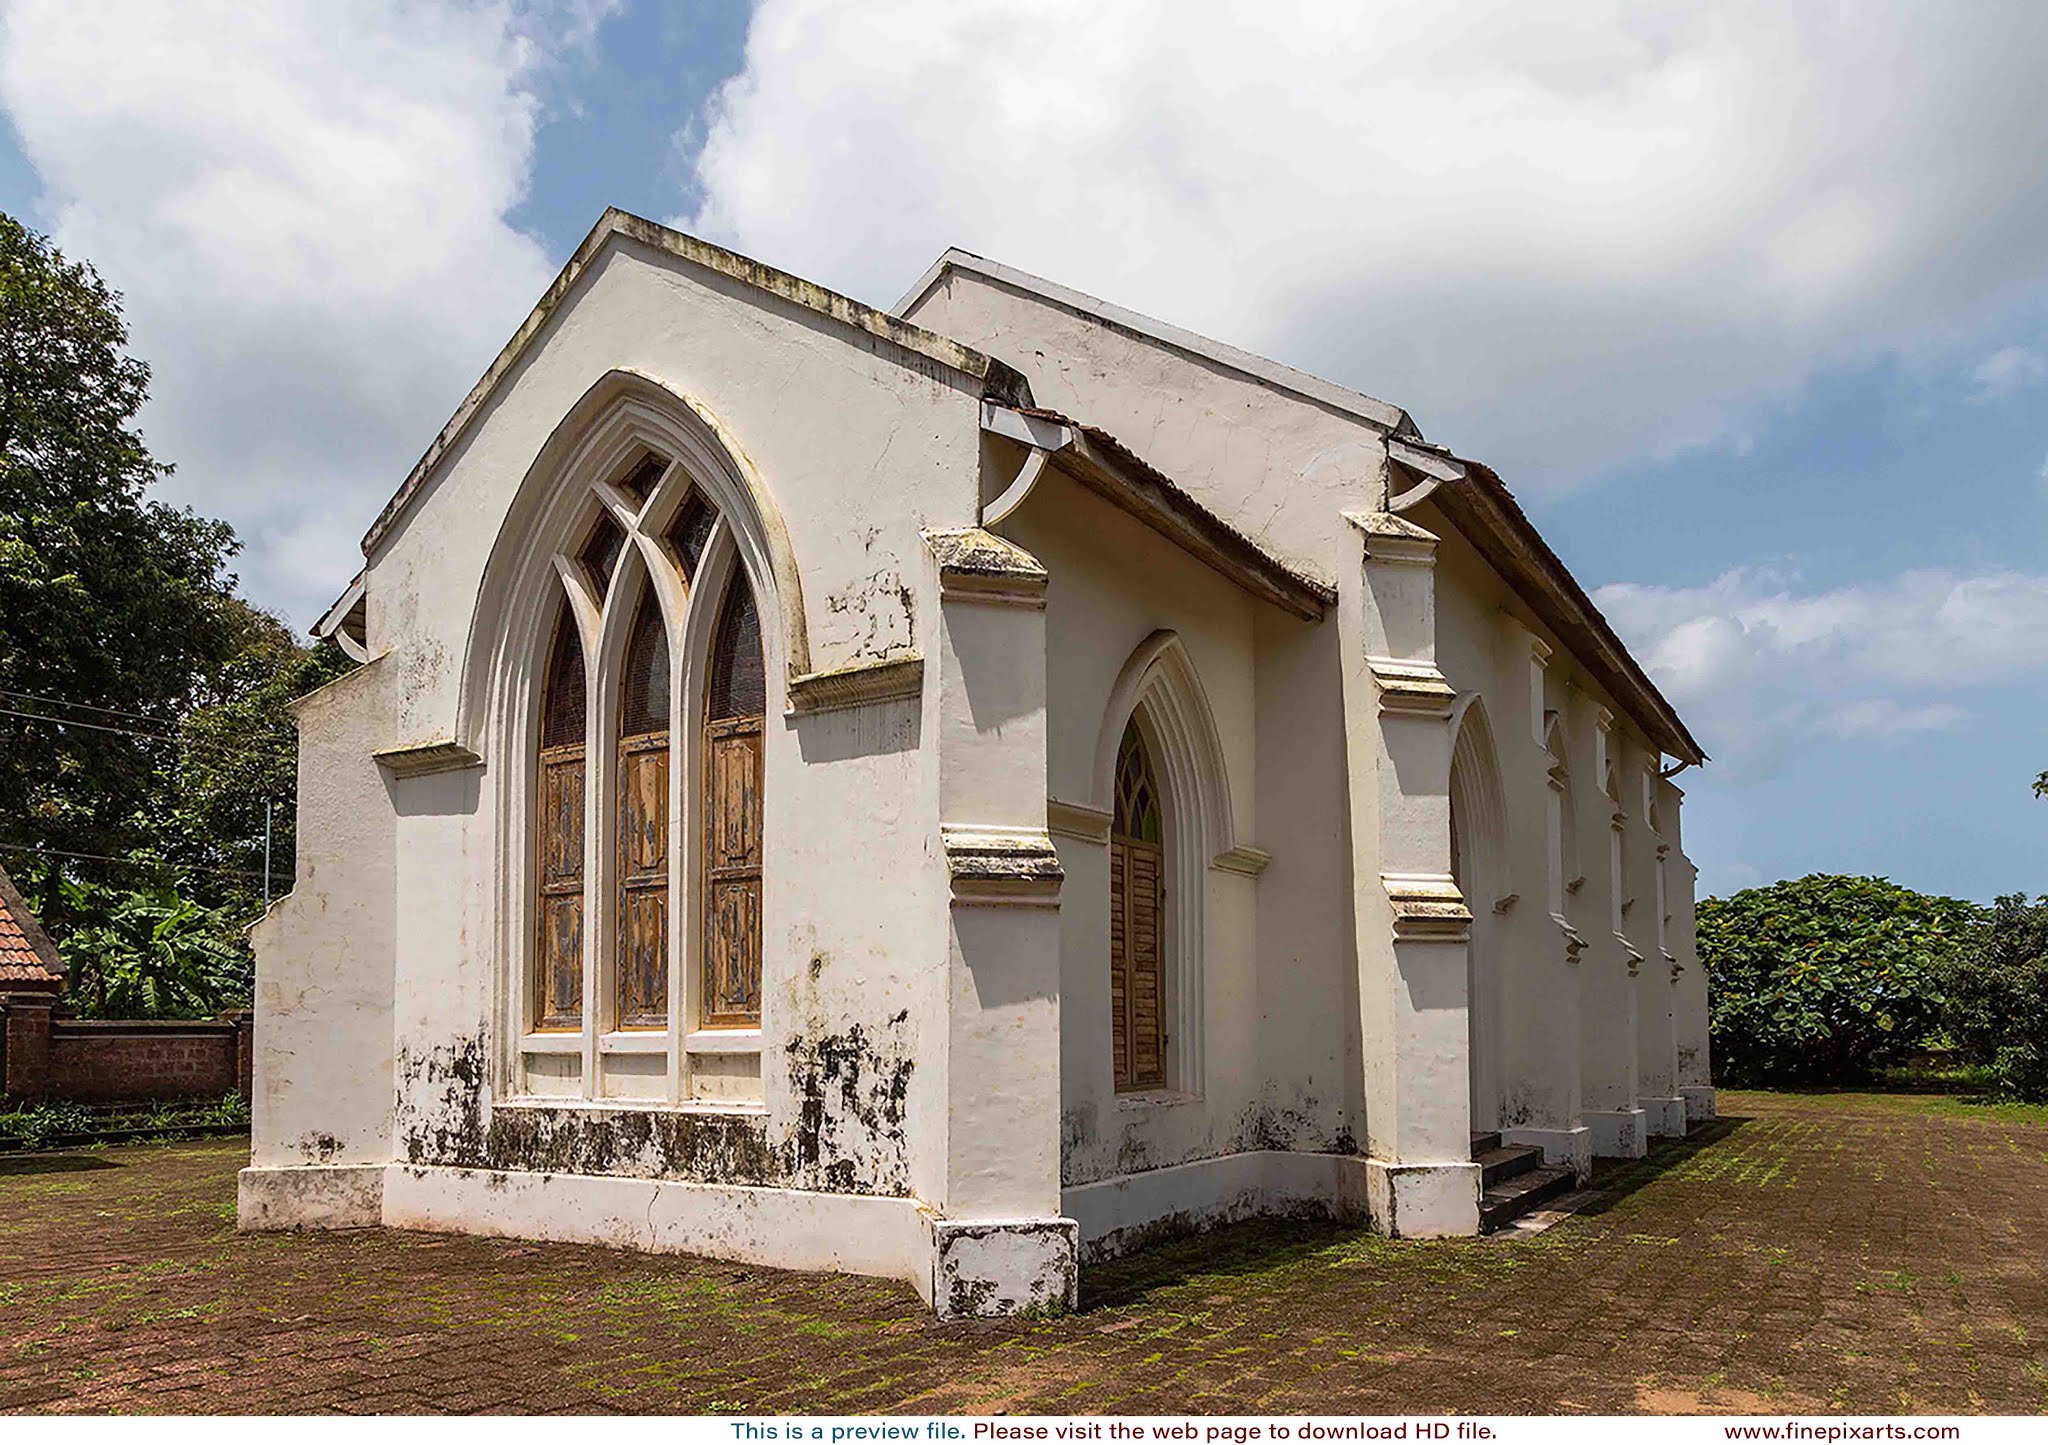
(1013, 867)
(1389, 538)
(1243, 858)
(1077, 820)
(978, 566)
(1428, 908)
(420, 760)
(1411, 687)
(857, 686)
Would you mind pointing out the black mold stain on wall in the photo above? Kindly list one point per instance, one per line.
(848, 1135)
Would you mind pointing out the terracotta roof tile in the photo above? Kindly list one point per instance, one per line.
(27, 958)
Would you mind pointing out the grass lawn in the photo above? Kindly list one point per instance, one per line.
(1823, 1252)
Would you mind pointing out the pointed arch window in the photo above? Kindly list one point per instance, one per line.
(1137, 913)
(641, 974)
(735, 702)
(557, 984)
(644, 828)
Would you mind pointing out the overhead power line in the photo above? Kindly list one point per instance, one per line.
(157, 863)
(72, 722)
(81, 706)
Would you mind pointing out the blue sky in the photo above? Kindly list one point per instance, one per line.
(1748, 303)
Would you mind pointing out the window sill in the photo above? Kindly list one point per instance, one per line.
(551, 1043)
(560, 1103)
(633, 1041)
(1155, 1099)
(722, 1041)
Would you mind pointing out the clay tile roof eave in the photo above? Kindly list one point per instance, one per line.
(1305, 596)
(28, 960)
(1579, 621)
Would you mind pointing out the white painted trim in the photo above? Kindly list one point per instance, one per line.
(722, 1041)
(785, 1228)
(1119, 1213)
(1159, 689)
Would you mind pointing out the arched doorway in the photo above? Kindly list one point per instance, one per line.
(1478, 825)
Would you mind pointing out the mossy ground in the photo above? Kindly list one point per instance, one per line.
(1858, 1253)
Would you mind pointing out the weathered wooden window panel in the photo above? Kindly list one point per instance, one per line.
(641, 994)
(1137, 896)
(558, 951)
(732, 801)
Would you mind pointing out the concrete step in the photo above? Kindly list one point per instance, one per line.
(1514, 1197)
(1481, 1143)
(1505, 1163)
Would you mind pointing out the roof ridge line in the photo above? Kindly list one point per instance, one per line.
(1384, 415)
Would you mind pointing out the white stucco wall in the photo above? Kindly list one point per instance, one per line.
(1281, 469)
(1272, 1061)
(859, 452)
(323, 1066)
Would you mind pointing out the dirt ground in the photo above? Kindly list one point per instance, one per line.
(1855, 1253)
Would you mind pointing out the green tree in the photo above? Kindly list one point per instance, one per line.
(1821, 979)
(112, 604)
(238, 753)
(1996, 997)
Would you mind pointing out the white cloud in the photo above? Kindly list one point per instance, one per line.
(304, 205)
(1561, 239)
(2005, 372)
(1760, 668)
(1881, 717)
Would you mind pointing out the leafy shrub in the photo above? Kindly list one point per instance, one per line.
(148, 953)
(38, 1124)
(1996, 997)
(1824, 978)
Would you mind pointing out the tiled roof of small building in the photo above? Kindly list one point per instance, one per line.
(27, 958)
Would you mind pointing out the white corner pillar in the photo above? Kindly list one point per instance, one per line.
(1647, 927)
(1610, 965)
(999, 1243)
(1539, 953)
(1689, 1017)
(1412, 925)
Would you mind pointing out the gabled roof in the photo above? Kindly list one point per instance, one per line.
(1487, 515)
(1469, 493)
(996, 381)
(1384, 416)
(28, 960)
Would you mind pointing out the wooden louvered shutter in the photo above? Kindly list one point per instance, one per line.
(735, 701)
(558, 952)
(642, 970)
(1137, 891)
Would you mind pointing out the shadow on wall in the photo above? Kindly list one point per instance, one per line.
(873, 730)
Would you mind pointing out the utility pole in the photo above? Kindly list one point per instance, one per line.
(269, 805)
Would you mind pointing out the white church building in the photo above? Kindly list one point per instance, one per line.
(952, 794)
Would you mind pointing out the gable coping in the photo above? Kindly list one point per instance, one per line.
(996, 380)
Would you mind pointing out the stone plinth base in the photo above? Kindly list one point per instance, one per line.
(1567, 1148)
(1666, 1116)
(310, 1196)
(1618, 1133)
(1423, 1201)
(1004, 1266)
(1699, 1102)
